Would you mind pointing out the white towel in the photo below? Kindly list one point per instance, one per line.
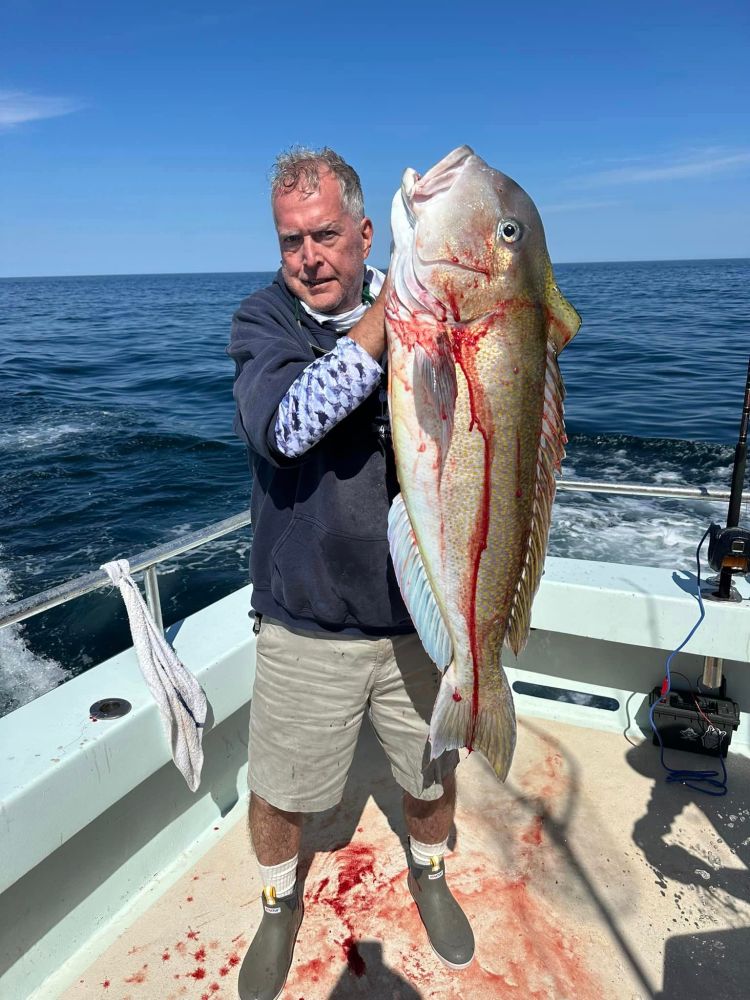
(178, 694)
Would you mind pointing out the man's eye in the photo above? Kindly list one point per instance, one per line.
(327, 235)
(291, 242)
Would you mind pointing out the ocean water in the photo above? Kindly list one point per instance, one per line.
(115, 434)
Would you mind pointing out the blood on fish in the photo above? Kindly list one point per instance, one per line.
(465, 346)
(456, 696)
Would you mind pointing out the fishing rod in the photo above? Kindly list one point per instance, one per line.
(729, 547)
(703, 719)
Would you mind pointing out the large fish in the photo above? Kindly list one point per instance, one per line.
(475, 322)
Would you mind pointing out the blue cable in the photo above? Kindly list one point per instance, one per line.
(673, 774)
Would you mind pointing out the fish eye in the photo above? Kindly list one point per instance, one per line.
(509, 230)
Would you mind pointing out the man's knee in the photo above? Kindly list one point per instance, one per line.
(261, 809)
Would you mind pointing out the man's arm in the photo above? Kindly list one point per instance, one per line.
(269, 354)
(369, 333)
(333, 386)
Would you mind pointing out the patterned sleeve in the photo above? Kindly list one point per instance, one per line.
(326, 392)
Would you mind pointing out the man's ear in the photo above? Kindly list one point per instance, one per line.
(366, 231)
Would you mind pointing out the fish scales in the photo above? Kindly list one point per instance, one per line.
(474, 327)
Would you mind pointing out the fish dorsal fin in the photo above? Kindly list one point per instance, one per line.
(415, 586)
(563, 320)
(549, 458)
(435, 391)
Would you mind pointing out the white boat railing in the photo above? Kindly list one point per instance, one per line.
(148, 560)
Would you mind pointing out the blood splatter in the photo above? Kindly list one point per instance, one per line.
(234, 959)
(165, 956)
(533, 835)
(106, 984)
(199, 973)
(138, 977)
(200, 955)
(189, 899)
(457, 696)
(224, 970)
(193, 935)
(353, 958)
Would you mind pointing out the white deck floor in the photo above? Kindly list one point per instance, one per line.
(585, 877)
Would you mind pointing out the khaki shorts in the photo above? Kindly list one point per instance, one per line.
(311, 692)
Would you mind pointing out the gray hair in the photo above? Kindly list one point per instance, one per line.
(299, 168)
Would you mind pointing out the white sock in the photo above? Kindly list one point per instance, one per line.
(282, 877)
(423, 853)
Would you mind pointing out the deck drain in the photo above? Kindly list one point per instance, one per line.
(110, 708)
(566, 695)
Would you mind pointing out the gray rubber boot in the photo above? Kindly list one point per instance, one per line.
(269, 957)
(448, 930)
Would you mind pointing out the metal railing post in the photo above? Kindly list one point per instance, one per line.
(151, 579)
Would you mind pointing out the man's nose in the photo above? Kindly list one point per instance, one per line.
(310, 252)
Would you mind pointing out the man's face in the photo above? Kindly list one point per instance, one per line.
(323, 249)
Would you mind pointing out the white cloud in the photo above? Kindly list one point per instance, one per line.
(17, 107)
(701, 164)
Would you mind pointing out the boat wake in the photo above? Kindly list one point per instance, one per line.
(24, 675)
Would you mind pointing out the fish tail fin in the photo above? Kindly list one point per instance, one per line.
(492, 732)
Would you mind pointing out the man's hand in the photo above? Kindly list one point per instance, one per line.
(369, 333)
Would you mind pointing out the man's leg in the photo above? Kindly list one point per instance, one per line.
(308, 701)
(431, 822)
(400, 708)
(275, 834)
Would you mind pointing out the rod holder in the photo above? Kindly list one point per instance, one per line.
(713, 669)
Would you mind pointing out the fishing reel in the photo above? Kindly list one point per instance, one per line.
(729, 548)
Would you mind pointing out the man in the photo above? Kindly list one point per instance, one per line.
(334, 637)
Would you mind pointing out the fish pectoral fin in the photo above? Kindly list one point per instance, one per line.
(492, 731)
(435, 390)
(564, 321)
(415, 585)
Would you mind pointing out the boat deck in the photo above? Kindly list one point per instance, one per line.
(585, 877)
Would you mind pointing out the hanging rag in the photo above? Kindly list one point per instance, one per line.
(178, 694)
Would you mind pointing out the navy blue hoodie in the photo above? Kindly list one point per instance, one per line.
(319, 558)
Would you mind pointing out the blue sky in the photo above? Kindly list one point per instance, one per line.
(137, 137)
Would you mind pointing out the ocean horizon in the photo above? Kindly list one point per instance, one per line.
(381, 267)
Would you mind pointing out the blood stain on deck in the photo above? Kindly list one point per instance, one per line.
(139, 976)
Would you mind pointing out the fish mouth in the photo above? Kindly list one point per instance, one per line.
(439, 179)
